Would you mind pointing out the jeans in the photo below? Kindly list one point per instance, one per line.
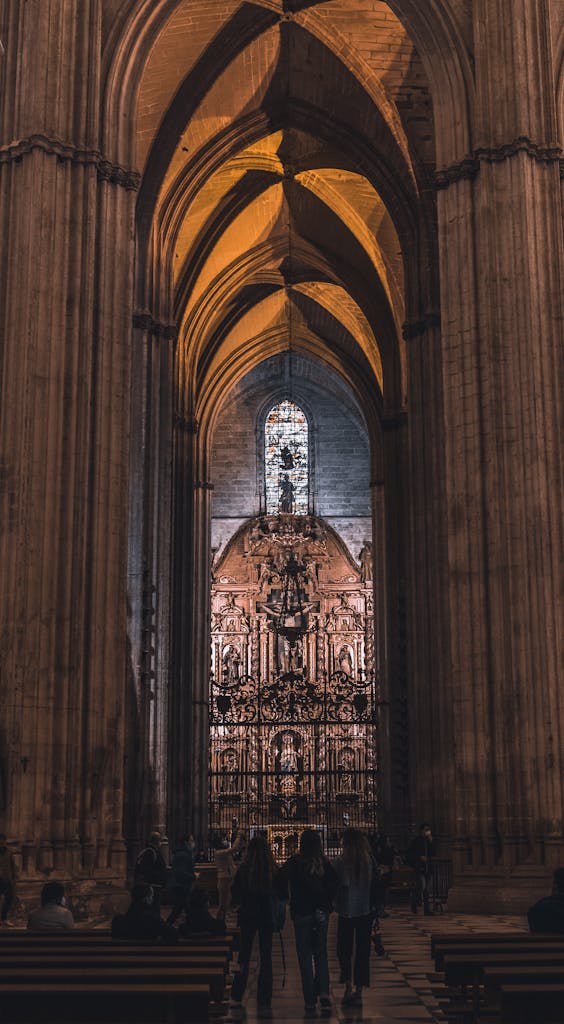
(420, 894)
(354, 931)
(264, 983)
(311, 947)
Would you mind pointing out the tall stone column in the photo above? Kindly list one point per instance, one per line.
(149, 563)
(64, 434)
(521, 317)
(189, 687)
(499, 215)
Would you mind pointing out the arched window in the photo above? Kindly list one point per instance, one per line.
(286, 459)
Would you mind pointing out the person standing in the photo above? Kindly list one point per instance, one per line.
(226, 868)
(385, 855)
(356, 869)
(8, 874)
(253, 893)
(150, 869)
(312, 883)
(418, 855)
(183, 878)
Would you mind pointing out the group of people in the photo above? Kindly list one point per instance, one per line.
(313, 886)
(354, 884)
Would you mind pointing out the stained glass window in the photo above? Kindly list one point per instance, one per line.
(286, 460)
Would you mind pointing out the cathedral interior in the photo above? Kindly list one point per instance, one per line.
(281, 425)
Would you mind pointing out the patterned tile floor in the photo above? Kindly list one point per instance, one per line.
(400, 990)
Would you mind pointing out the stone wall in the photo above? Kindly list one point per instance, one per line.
(340, 458)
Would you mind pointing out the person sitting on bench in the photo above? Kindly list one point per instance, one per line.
(199, 921)
(547, 916)
(53, 915)
(140, 921)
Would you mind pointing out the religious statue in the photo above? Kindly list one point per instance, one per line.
(288, 763)
(229, 771)
(286, 494)
(231, 664)
(287, 459)
(366, 562)
(346, 770)
(290, 654)
(345, 660)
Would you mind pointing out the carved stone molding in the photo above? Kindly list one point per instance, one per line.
(415, 328)
(64, 151)
(542, 153)
(464, 170)
(467, 169)
(145, 322)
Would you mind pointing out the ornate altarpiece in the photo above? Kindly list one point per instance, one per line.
(293, 699)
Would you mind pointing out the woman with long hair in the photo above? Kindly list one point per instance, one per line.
(312, 885)
(356, 872)
(253, 893)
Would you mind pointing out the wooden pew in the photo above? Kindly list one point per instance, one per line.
(87, 959)
(487, 938)
(91, 1002)
(464, 959)
(532, 1004)
(165, 974)
(468, 969)
(495, 977)
(477, 949)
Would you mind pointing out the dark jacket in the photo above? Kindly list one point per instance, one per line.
(419, 849)
(255, 908)
(139, 923)
(308, 891)
(182, 874)
(547, 915)
(199, 920)
(150, 867)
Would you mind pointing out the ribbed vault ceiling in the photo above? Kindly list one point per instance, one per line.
(285, 148)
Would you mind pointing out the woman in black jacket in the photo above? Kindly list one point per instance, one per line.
(252, 892)
(313, 885)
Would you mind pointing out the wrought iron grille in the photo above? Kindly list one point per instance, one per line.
(289, 752)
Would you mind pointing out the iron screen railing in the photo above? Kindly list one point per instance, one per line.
(289, 753)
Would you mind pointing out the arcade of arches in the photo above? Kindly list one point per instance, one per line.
(209, 210)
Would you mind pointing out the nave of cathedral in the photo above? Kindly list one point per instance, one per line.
(281, 424)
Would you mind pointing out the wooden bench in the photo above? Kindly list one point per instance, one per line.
(465, 958)
(532, 1004)
(495, 977)
(88, 959)
(131, 973)
(90, 1002)
(468, 969)
(488, 938)
(525, 946)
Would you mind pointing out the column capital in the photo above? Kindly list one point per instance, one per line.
(467, 169)
(66, 152)
(146, 322)
(415, 328)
